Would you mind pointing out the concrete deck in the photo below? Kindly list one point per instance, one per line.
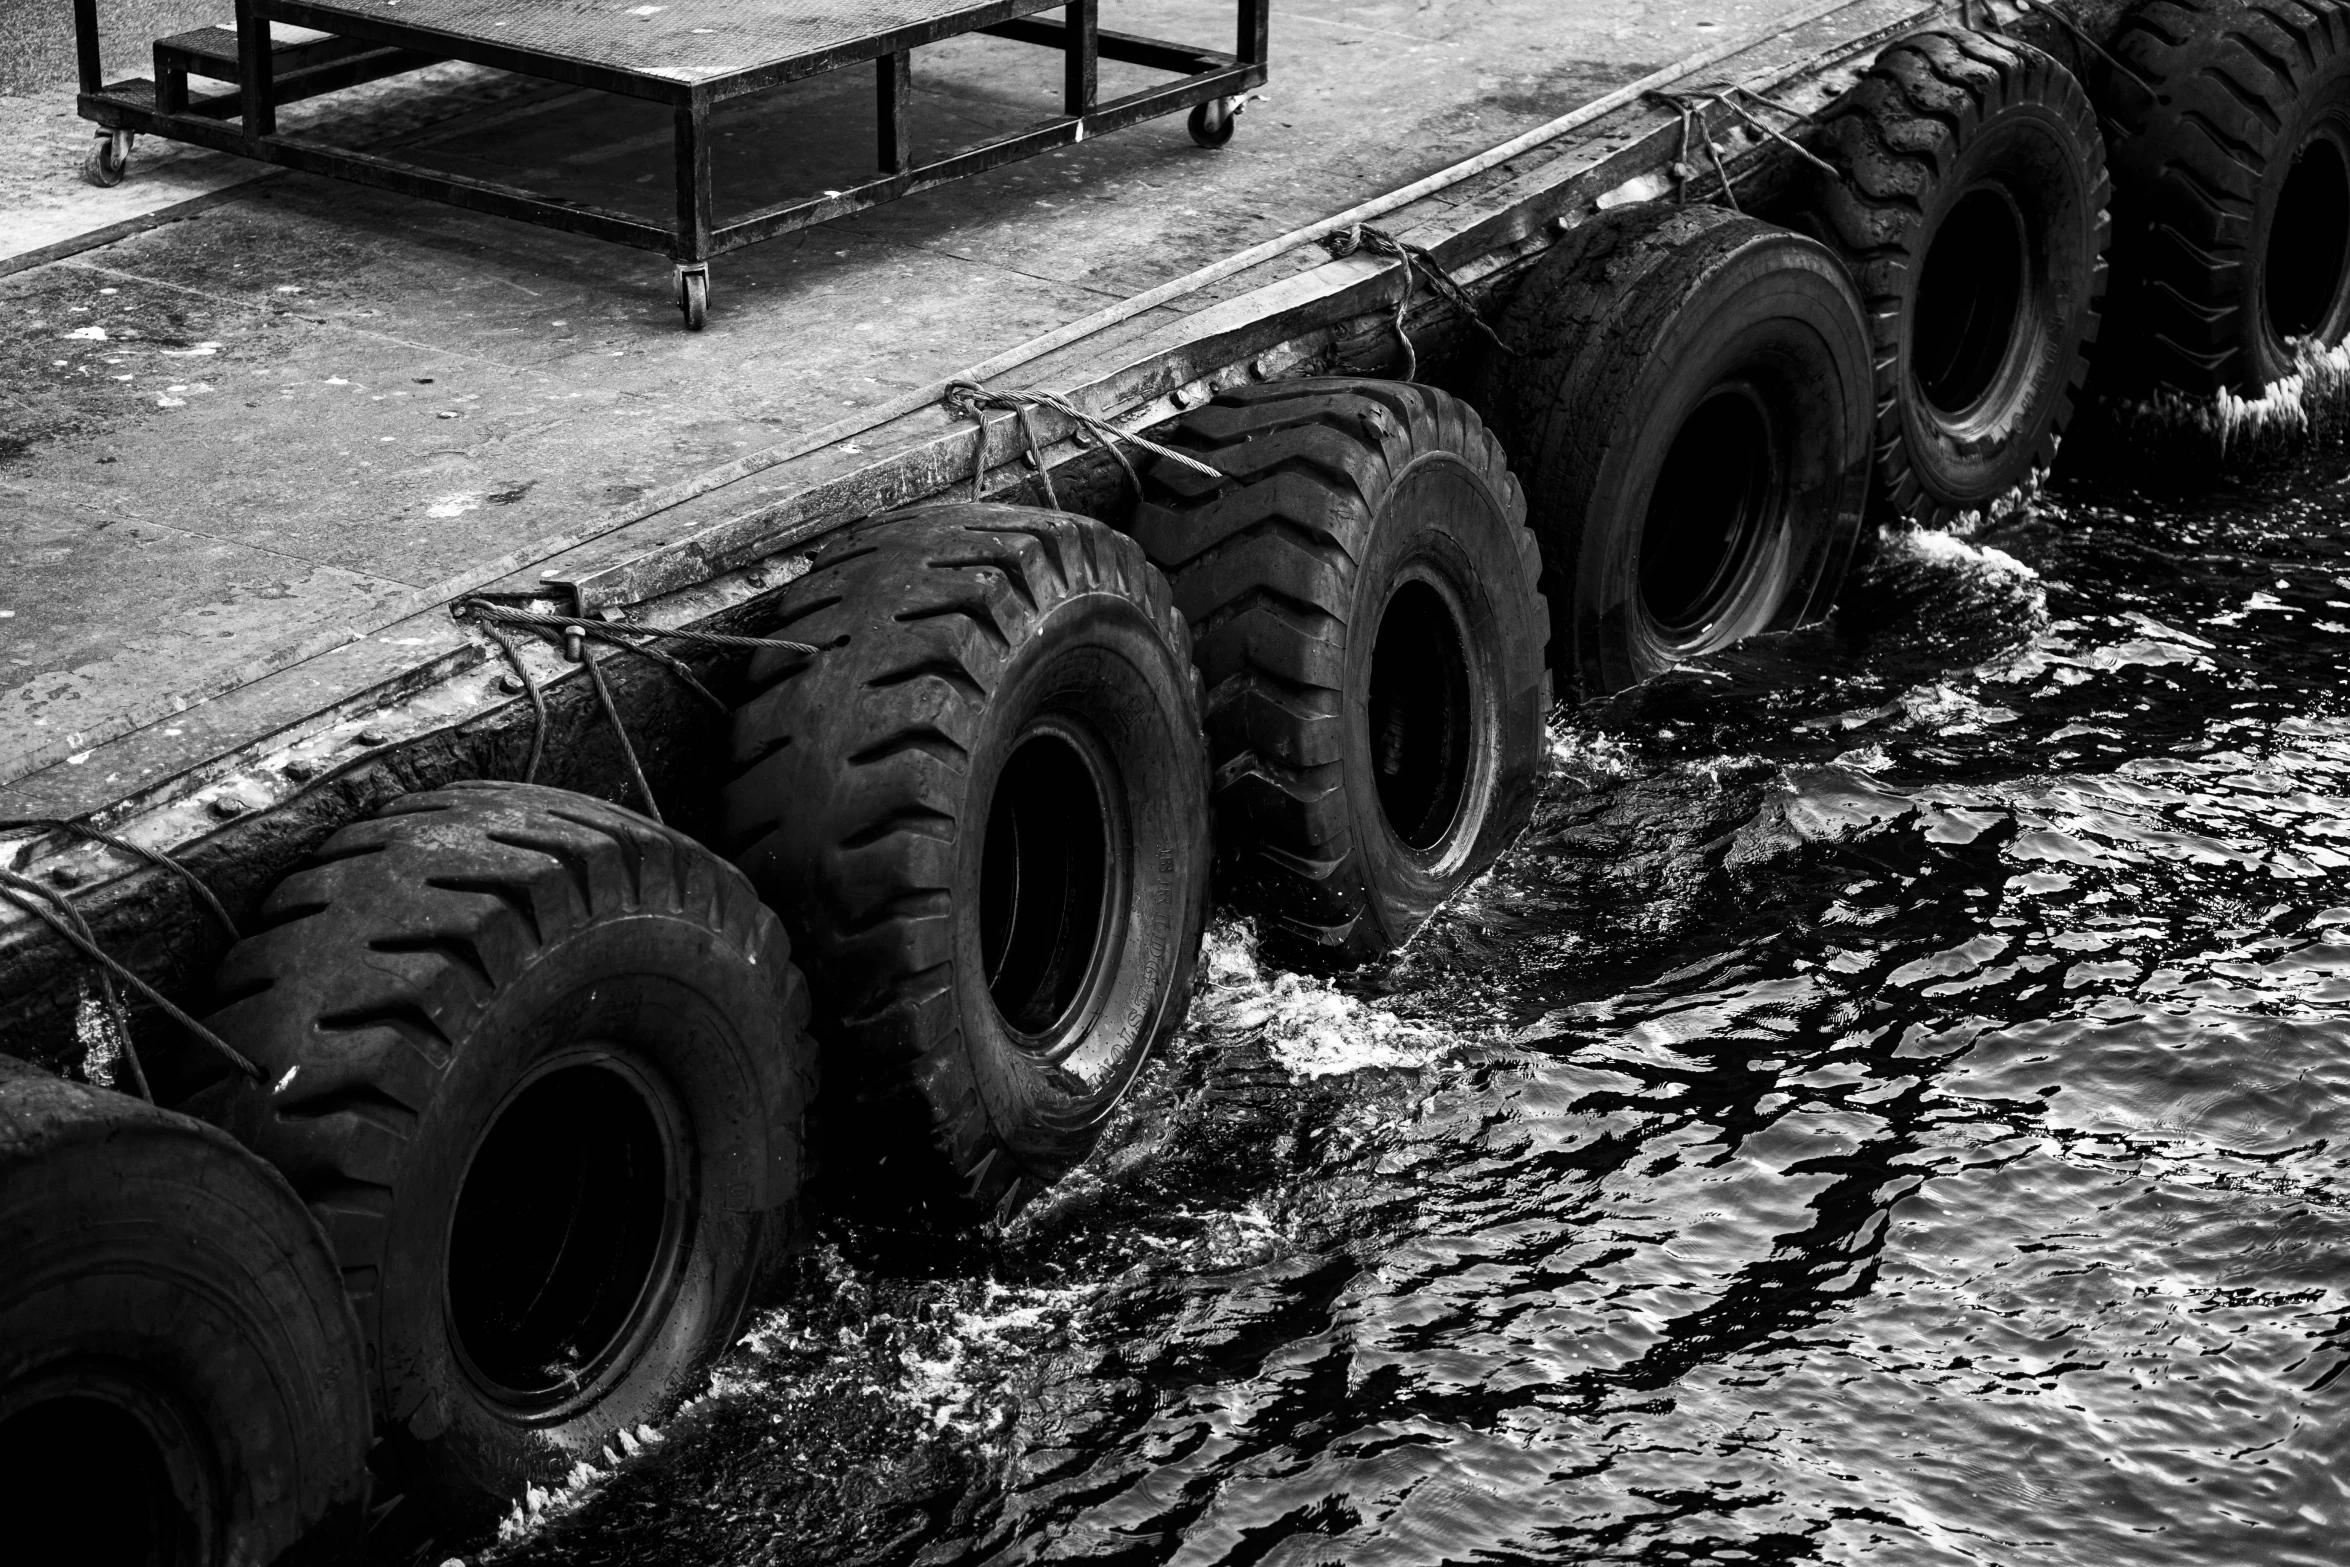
(259, 439)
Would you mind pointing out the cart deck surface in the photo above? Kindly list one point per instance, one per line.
(681, 40)
(243, 455)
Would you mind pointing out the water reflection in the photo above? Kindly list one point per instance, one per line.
(1890, 1105)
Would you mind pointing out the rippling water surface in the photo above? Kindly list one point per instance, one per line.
(1893, 1104)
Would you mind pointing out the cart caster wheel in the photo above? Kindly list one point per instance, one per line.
(693, 298)
(1213, 123)
(109, 160)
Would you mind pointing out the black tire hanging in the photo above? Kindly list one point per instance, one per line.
(1971, 207)
(982, 811)
(2234, 187)
(180, 1375)
(537, 1066)
(1689, 405)
(1361, 590)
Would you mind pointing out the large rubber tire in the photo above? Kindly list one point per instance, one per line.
(1361, 591)
(2234, 184)
(179, 1371)
(982, 811)
(1689, 404)
(1971, 208)
(487, 1017)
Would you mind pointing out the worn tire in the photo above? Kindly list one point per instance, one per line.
(477, 1014)
(987, 982)
(179, 1371)
(1971, 209)
(1647, 326)
(1361, 591)
(2234, 186)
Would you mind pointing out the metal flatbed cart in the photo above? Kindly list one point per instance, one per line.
(688, 54)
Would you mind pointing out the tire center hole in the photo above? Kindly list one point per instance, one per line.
(2308, 241)
(1419, 712)
(1970, 299)
(95, 1471)
(558, 1231)
(1710, 509)
(1043, 884)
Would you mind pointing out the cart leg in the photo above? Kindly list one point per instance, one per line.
(1256, 32)
(256, 93)
(1212, 122)
(171, 83)
(895, 117)
(85, 45)
(693, 211)
(1081, 63)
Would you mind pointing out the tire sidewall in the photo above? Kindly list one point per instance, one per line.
(1470, 554)
(2026, 152)
(158, 1267)
(692, 1020)
(2324, 108)
(1095, 662)
(1779, 313)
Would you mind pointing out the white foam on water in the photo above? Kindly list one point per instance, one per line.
(1948, 551)
(1867, 759)
(1588, 754)
(540, 1504)
(947, 1369)
(1968, 523)
(1308, 1025)
(1943, 709)
(2283, 406)
(951, 1388)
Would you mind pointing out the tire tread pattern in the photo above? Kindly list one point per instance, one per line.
(2226, 77)
(137, 1235)
(1263, 564)
(379, 952)
(1896, 135)
(900, 697)
(1584, 327)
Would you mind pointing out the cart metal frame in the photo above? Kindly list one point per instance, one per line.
(381, 43)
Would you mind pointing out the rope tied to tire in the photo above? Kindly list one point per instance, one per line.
(1416, 261)
(2087, 42)
(618, 632)
(572, 633)
(1691, 108)
(154, 857)
(970, 400)
(1693, 128)
(117, 1037)
(55, 910)
(68, 923)
(1801, 119)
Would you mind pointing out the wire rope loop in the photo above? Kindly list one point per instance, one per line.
(67, 922)
(966, 399)
(155, 857)
(1417, 262)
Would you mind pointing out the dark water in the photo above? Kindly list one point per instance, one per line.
(1893, 1104)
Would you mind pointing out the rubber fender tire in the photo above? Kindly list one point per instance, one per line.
(2245, 96)
(501, 959)
(1636, 320)
(163, 1280)
(1971, 181)
(1343, 500)
(865, 805)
